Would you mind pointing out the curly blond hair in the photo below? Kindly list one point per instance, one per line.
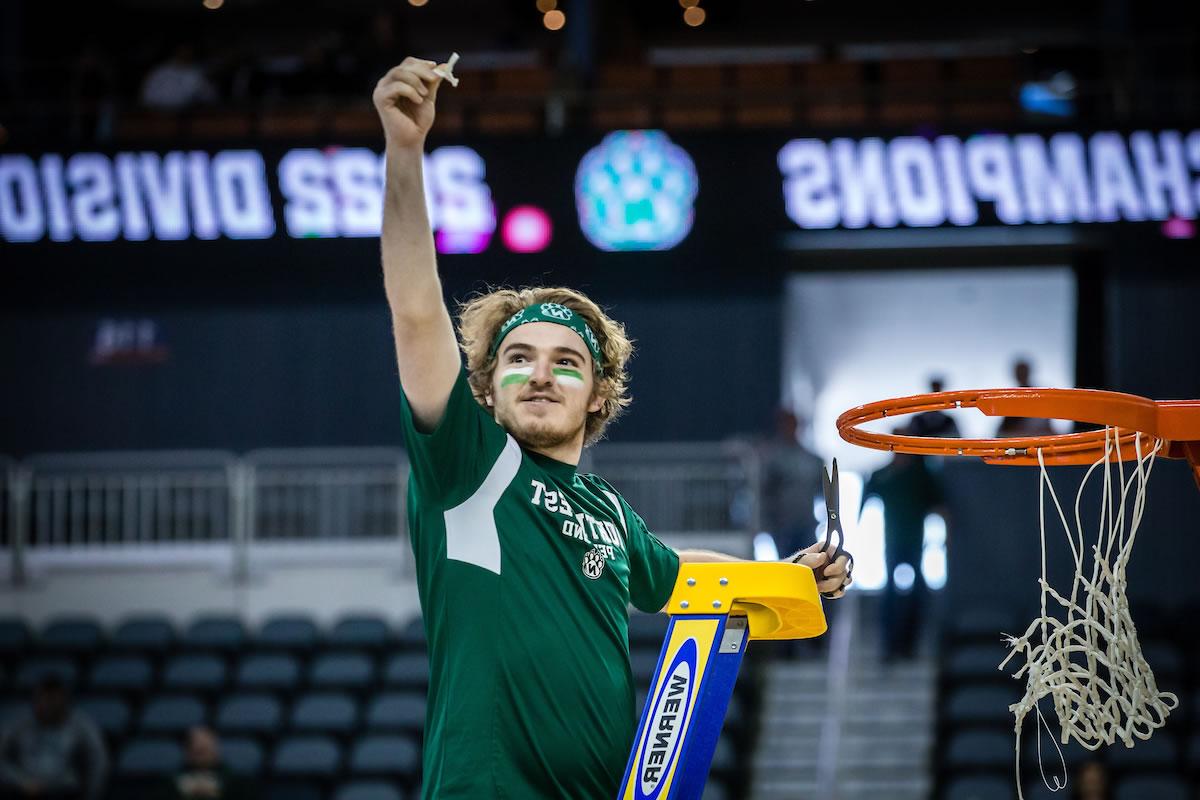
(480, 317)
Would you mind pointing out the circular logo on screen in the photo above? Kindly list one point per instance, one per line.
(593, 563)
(635, 191)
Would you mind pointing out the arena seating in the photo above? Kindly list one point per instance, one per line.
(975, 727)
(310, 713)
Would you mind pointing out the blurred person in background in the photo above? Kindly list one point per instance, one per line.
(791, 482)
(934, 423)
(1091, 782)
(909, 491)
(52, 750)
(92, 94)
(1023, 426)
(204, 775)
(525, 568)
(177, 84)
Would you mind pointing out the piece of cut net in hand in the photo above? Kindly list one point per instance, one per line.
(1083, 651)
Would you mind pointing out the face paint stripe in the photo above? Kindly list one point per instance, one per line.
(515, 375)
(568, 377)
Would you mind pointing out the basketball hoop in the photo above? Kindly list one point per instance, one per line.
(1083, 650)
(1140, 420)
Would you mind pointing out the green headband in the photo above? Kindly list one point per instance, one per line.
(559, 315)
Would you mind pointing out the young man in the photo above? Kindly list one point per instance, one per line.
(525, 568)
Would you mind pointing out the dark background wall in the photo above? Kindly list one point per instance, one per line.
(324, 375)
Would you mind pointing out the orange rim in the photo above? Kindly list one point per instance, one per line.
(1139, 421)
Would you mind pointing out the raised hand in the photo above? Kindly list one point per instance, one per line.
(405, 99)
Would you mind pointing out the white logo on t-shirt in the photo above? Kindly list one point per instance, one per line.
(593, 563)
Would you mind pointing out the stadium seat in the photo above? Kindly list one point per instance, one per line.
(268, 672)
(983, 623)
(385, 755)
(735, 714)
(975, 663)
(1035, 788)
(396, 711)
(725, 757)
(196, 672)
(151, 635)
(122, 674)
(407, 671)
(368, 790)
(979, 787)
(342, 671)
(325, 712)
(979, 750)
(1159, 752)
(171, 715)
(78, 636)
(293, 790)
(1073, 753)
(306, 756)
(1166, 662)
(33, 670)
(221, 633)
(981, 704)
(15, 637)
(256, 714)
(291, 632)
(412, 635)
(111, 714)
(646, 631)
(643, 662)
(149, 756)
(361, 632)
(1156, 787)
(243, 756)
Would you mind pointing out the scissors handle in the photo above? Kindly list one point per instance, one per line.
(834, 526)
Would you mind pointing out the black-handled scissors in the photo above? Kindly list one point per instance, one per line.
(833, 525)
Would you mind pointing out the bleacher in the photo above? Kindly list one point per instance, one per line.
(307, 713)
(975, 728)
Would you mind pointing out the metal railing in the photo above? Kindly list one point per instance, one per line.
(683, 486)
(314, 495)
(102, 499)
(90, 506)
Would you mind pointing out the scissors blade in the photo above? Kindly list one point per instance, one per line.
(831, 490)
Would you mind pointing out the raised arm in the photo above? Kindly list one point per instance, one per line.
(426, 348)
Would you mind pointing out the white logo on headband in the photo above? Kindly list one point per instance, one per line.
(557, 311)
(591, 338)
(513, 320)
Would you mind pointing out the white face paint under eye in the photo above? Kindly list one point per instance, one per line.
(568, 378)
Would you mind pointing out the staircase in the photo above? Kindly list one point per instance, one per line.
(860, 731)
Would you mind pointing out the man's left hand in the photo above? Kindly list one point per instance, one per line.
(836, 577)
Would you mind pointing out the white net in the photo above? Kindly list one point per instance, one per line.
(1083, 650)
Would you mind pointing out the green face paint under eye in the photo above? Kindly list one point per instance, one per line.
(515, 375)
(565, 376)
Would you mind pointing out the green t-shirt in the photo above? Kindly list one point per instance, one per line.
(525, 571)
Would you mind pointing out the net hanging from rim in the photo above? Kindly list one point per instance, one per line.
(1083, 651)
